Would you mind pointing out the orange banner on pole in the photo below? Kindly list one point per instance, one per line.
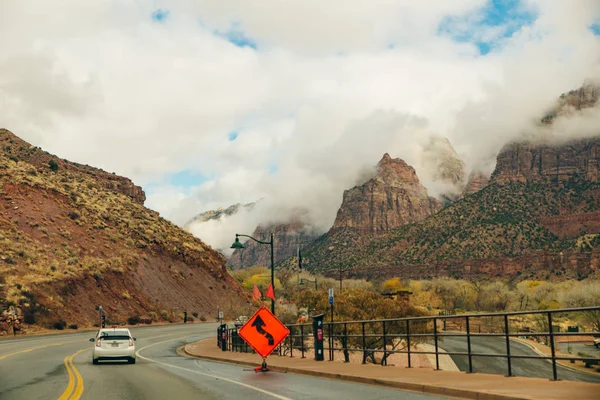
(256, 295)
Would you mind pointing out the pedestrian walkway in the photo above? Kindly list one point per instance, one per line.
(425, 380)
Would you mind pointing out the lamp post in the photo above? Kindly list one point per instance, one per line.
(238, 245)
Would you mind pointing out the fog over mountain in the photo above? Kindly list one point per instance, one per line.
(209, 104)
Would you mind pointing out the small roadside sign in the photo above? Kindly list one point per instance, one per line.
(263, 332)
(331, 296)
(220, 314)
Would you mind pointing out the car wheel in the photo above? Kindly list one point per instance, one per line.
(94, 361)
(131, 361)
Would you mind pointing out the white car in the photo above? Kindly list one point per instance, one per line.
(113, 344)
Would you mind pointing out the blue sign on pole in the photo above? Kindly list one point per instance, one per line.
(330, 296)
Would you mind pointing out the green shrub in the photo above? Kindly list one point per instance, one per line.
(133, 320)
(60, 325)
(153, 316)
(73, 326)
(53, 165)
(195, 314)
(164, 314)
(202, 318)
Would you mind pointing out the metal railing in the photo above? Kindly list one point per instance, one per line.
(386, 337)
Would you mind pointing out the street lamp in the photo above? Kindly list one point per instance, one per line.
(238, 245)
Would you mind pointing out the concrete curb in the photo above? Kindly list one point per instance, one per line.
(414, 387)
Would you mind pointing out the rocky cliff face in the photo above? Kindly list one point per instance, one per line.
(528, 163)
(287, 238)
(394, 197)
(475, 183)
(439, 155)
(584, 97)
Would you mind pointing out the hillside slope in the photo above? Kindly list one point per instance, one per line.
(497, 231)
(73, 237)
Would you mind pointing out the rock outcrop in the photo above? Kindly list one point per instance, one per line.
(394, 197)
(584, 97)
(216, 215)
(20, 150)
(528, 163)
(477, 181)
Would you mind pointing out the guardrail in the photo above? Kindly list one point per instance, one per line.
(385, 337)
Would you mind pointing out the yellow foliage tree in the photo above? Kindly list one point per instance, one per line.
(392, 285)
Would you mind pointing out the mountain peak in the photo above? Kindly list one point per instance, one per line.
(394, 197)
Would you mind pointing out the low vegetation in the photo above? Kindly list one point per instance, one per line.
(498, 221)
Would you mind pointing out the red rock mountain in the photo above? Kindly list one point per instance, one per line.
(394, 197)
(538, 218)
(73, 237)
(528, 163)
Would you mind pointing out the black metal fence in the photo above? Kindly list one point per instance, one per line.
(377, 340)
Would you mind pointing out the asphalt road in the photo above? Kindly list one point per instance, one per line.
(575, 348)
(498, 365)
(60, 367)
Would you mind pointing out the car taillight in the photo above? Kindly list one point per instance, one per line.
(130, 342)
(98, 343)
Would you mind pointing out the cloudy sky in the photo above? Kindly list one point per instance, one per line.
(209, 103)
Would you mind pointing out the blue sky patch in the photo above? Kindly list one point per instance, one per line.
(239, 39)
(233, 135)
(273, 168)
(595, 28)
(505, 16)
(236, 36)
(186, 178)
(160, 15)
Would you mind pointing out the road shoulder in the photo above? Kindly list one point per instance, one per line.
(424, 380)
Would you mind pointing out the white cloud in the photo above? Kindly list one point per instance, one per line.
(332, 87)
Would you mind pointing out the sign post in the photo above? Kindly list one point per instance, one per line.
(331, 325)
(263, 332)
(101, 325)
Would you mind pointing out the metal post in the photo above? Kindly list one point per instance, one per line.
(302, 339)
(554, 375)
(508, 359)
(384, 360)
(364, 344)
(340, 278)
(346, 359)
(272, 272)
(469, 346)
(291, 345)
(331, 356)
(408, 340)
(435, 336)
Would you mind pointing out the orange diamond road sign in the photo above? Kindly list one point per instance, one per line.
(263, 332)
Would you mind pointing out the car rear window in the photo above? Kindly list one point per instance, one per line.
(114, 337)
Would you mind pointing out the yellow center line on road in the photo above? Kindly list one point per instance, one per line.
(74, 388)
(32, 349)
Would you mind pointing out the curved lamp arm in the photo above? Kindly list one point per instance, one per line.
(256, 240)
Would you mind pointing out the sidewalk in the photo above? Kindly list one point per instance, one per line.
(445, 383)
